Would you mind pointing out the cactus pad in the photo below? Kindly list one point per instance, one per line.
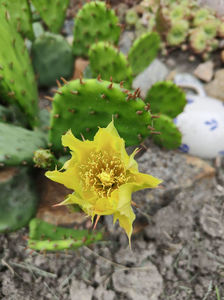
(94, 22)
(21, 16)
(17, 82)
(52, 12)
(107, 61)
(83, 106)
(52, 58)
(166, 98)
(169, 137)
(18, 144)
(47, 237)
(143, 51)
(18, 198)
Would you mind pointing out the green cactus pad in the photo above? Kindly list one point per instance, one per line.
(169, 137)
(18, 198)
(83, 106)
(198, 40)
(52, 12)
(20, 15)
(166, 98)
(178, 33)
(52, 58)
(47, 237)
(143, 51)
(17, 82)
(18, 144)
(107, 61)
(94, 22)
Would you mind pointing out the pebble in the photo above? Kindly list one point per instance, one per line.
(216, 87)
(80, 291)
(205, 71)
(211, 222)
(141, 284)
(156, 71)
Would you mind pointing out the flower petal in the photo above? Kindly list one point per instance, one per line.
(126, 219)
(67, 178)
(105, 206)
(74, 198)
(81, 148)
(144, 181)
(109, 140)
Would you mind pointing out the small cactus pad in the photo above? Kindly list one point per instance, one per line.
(143, 51)
(169, 137)
(52, 58)
(83, 106)
(18, 144)
(20, 15)
(166, 98)
(52, 12)
(43, 158)
(178, 33)
(198, 40)
(17, 82)
(47, 237)
(94, 22)
(201, 16)
(18, 198)
(107, 61)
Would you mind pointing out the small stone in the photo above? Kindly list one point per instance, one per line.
(126, 41)
(80, 291)
(101, 294)
(216, 87)
(199, 291)
(141, 284)
(210, 220)
(205, 71)
(145, 79)
(186, 79)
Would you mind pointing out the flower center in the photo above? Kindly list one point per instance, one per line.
(103, 173)
(106, 179)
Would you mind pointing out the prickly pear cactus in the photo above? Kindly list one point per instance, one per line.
(166, 98)
(169, 137)
(47, 237)
(52, 12)
(18, 144)
(143, 51)
(109, 62)
(94, 22)
(18, 198)
(52, 58)
(20, 15)
(17, 82)
(83, 106)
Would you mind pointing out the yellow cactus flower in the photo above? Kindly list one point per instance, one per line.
(102, 176)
